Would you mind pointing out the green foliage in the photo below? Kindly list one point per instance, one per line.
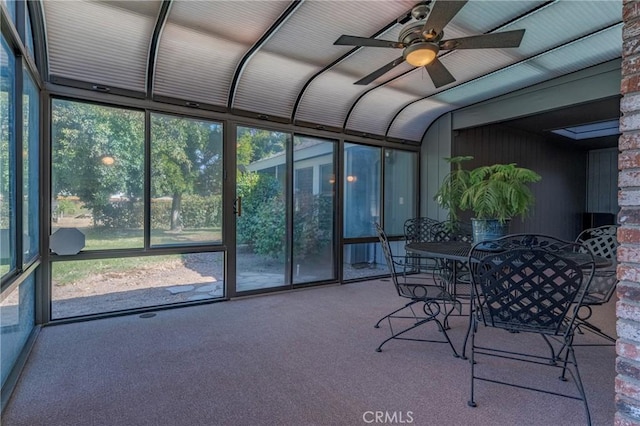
(269, 231)
(66, 206)
(453, 186)
(261, 195)
(262, 224)
(255, 144)
(498, 191)
(83, 134)
(313, 225)
(186, 161)
(120, 215)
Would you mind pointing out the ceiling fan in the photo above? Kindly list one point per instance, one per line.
(423, 39)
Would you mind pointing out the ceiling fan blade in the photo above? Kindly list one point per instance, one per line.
(441, 13)
(347, 40)
(485, 41)
(439, 74)
(380, 71)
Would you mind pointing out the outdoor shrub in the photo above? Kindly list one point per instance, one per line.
(66, 207)
(119, 214)
(313, 225)
(270, 230)
(160, 213)
(257, 192)
(201, 212)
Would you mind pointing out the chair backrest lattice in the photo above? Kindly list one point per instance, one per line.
(528, 284)
(419, 229)
(452, 231)
(601, 241)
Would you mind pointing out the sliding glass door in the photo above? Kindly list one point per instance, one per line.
(261, 231)
(285, 209)
(314, 180)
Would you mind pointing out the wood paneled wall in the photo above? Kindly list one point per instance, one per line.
(560, 195)
(602, 181)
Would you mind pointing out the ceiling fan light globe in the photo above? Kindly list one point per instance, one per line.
(420, 54)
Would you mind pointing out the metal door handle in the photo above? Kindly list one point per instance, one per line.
(237, 206)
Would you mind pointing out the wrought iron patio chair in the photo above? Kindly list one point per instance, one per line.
(421, 293)
(601, 241)
(529, 284)
(419, 230)
(447, 271)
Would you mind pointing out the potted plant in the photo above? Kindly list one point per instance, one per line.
(494, 193)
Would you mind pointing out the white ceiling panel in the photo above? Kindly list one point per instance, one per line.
(381, 106)
(589, 51)
(482, 16)
(410, 124)
(105, 43)
(307, 38)
(240, 21)
(329, 99)
(549, 26)
(310, 32)
(202, 44)
(505, 80)
(276, 95)
(196, 66)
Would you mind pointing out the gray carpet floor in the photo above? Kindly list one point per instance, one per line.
(305, 357)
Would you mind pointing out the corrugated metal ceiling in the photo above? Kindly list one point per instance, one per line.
(276, 59)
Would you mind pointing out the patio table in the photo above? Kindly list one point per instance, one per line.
(458, 251)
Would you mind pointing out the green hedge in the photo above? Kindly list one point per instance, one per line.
(195, 212)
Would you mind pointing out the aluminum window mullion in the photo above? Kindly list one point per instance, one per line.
(146, 192)
(289, 186)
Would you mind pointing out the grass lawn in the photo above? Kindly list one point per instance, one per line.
(65, 272)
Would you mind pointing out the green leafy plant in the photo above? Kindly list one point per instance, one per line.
(453, 186)
(497, 191)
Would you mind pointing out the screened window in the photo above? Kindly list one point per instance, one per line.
(361, 190)
(17, 318)
(186, 181)
(31, 175)
(98, 173)
(28, 31)
(85, 287)
(7, 161)
(327, 179)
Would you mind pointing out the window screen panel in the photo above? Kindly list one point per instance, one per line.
(106, 43)
(203, 43)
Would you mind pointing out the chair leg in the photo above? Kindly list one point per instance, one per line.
(553, 357)
(419, 323)
(578, 380)
(466, 336)
(595, 330)
(471, 402)
(394, 312)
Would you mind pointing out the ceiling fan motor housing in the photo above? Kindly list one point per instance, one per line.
(415, 32)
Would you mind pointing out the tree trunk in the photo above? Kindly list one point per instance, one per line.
(176, 223)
